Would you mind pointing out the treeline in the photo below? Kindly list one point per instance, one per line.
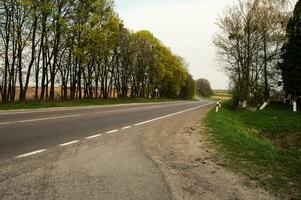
(249, 43)
(82, 47)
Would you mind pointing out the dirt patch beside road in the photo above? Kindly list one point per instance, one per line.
(183, 154)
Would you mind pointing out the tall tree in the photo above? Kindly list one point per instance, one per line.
(249, 41)
(291, 64)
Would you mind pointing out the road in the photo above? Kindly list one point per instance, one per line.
(84, 153)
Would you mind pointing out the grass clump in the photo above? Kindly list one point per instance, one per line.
(264, 145)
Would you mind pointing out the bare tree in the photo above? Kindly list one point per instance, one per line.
(248, 44)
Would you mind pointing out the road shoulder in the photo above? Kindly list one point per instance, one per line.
(185, 157)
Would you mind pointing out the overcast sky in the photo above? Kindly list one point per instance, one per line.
(186, 26)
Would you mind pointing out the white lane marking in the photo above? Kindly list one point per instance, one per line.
(24, 111)
(4, 123)
(113, 131)
(72, 116)
(31, 153)
(124, 110)
(59, 110)
(93, 136)
(127, 127)
(41, 119)
(49, 118)
(79, 115)
(69, 143)
(170, 115)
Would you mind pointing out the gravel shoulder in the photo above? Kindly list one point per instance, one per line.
(185, 157)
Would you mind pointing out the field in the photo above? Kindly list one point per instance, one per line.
(265, 146)
(221, 94)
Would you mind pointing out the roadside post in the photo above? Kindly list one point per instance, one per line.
(156, 90)
(220, 103)
(294, 105)
(217, 106)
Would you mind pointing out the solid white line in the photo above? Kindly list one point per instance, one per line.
(48, 118)
(31, 153)
(93, 136)
(4, 123)
(26, 111)
(69, 143)
(170, 115)
(77, 115)
(127, 127)
(41, 119)
(113, 131)
(70, 116)
(67, 116)
(124, 110)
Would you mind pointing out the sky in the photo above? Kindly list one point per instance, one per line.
(186, 26)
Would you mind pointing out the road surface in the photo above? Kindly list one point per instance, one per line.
(84, 153)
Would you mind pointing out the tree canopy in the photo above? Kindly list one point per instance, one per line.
(251, 33)
(291, 55)
(83, 48)
(204, 87)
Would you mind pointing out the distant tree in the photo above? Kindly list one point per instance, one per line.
(291, 65)
(204, 87)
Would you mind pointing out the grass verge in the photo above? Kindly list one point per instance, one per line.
(75, 103)
(218, 95)
(221, 94)
(265, 146)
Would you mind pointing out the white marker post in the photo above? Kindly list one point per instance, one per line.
(220, 103)
(217, 107)
(156, 90)
(244, 104)
(295, 106)
(265, 104)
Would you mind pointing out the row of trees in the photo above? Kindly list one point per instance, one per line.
(252, 33)
(82, 47)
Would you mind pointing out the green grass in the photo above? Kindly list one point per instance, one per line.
(263, 145)
(221, 94)
(83, 102)
(220, 91)
(217, 95)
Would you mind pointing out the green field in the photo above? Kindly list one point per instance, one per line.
(83, 102)
(263, 145)
(221, 94)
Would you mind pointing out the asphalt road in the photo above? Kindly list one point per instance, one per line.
(83, 153)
